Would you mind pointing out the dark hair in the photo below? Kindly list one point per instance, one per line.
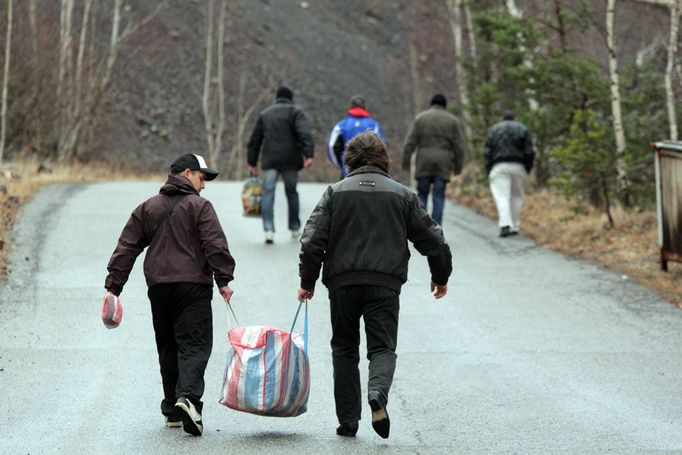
(366, 149)
(508, 115)
(439, 100)
(357, 101)
(285, 92)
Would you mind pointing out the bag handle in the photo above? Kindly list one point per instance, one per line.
(233, 315)
(293, 324)
(305, 325)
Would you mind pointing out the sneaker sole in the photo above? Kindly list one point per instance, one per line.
(174, 424)
(188, 424)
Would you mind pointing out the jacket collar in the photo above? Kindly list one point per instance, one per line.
(283, 101)
(358, 112)
(368, 170)
(177, 184)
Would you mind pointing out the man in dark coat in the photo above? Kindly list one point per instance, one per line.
(283, 140)
(360, 231)
(509, 155)
(187, 251)
(437, 137)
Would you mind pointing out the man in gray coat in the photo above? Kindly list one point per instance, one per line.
(437, 137)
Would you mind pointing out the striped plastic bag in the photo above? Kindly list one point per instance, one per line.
(267, 370)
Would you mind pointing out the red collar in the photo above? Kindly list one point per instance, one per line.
(358, 112)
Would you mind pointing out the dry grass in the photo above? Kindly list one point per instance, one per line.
(576, 229)
(19, 181)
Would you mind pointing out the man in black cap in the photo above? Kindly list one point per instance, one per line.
(282, 133)
(187, 251)
(437, 137)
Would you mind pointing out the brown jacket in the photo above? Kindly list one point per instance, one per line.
(189, 246)
(437, 137)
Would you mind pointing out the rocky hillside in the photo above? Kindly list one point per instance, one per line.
(325, 50)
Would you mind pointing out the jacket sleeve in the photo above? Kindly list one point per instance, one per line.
(333, 144)
(427, 237)
(304, 134)
(214, 245)
(410, 145)
(255, 142)
(131, 243)
(314, 242)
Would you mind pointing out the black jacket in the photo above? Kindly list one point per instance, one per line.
(283, 134)
(508, 141)
(360, 229)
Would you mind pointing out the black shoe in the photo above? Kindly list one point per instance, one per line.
(380, 420)
(347, 429)
(174, 419)
(505, 231)
(191, 419)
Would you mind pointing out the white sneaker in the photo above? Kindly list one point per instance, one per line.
(269, 237)
(296, 234)
(191, 419)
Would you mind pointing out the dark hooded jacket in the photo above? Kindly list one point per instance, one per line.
(360, 229)
(283, 135)
(508, 141)
(189, 246)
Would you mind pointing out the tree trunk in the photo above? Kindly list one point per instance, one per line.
(208, 72)
(471, 33)
(455, 10)
(615, 93)
(5, 80)
(672, 52)
(515, 12)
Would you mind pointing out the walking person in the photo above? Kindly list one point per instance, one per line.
(358, 121)
(187, 250)
(359, 231)
(282, 138)
(508, 154)
(437, 137)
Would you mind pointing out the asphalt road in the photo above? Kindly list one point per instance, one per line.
(530, 352)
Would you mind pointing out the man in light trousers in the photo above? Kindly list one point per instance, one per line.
(508, 154)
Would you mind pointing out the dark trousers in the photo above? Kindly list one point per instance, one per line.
(424, 186)
(183, 325)
(378, 306)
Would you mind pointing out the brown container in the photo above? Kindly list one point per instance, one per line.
(668, 164)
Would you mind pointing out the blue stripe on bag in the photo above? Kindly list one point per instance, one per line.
(270, 370)
(252, 377)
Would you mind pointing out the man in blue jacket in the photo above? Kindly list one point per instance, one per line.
(358, 121)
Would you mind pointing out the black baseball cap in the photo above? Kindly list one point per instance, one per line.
(194, 162)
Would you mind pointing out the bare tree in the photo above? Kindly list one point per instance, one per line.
(455, 15)
(470, 29)
(616, 111)
(214, 127)
(675, 7)
(516, 12)
(80, 94)
(5, 79)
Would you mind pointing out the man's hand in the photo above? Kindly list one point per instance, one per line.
(253, 170)
(304, 294)
(439, 290)
(307, 162)
(226, 292)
